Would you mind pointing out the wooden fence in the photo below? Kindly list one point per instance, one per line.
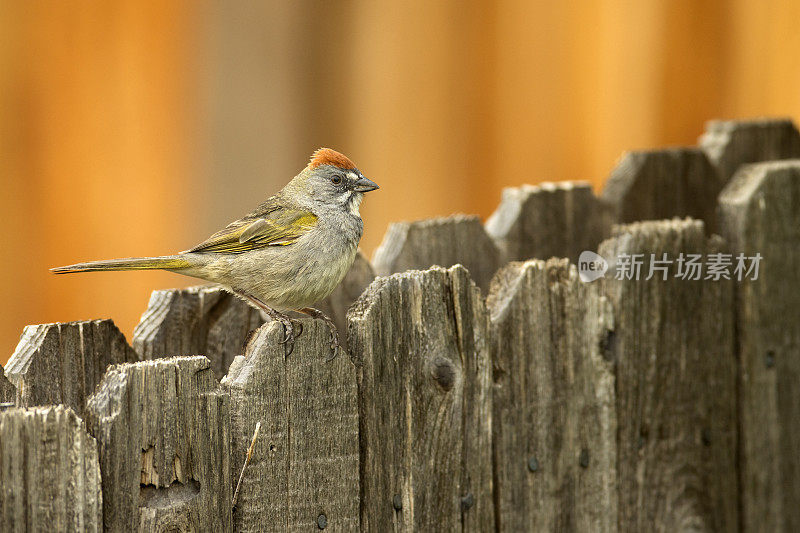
(551, 404)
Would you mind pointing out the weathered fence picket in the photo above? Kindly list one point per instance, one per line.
(675, 367)
(647, 401)
(459, 239)
(554, 418)
(63, 363)
(304, 469)
(760, 214)
(549, 220)
(49, 474)
(164, 438)
(661, 184)
(421, 348)
(733, 143)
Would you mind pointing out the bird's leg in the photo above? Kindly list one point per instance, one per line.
(289, 333)
(316, 313)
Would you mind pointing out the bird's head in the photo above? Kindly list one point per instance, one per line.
(331, 181)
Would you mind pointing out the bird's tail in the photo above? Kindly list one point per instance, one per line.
(167, 262)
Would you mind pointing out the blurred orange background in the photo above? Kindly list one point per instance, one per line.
(139, 127)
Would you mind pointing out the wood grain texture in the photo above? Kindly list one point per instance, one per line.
(554, 421)
(760, 214)
(675, 364)
(355, 281)
(305, 465)
(459, 239)
(732, 143)
(63, 363)
(8, 392)
(202, 320)
(549, 220)
(661, 184)
(420, 343)
(49, 472)
(163, 430)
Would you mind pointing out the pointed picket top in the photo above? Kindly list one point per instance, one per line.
(559, 219)
(62, 363)
(444, 242)
(661, 184)
(732, 143)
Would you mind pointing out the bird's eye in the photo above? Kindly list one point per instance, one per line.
(337, 179)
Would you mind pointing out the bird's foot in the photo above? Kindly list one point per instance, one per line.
(291, 329)
(334, 339)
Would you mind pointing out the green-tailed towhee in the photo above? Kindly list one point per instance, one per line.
(286, 255)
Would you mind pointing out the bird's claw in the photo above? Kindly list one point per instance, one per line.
(291, 331)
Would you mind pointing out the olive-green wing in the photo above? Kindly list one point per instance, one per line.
(267, 226)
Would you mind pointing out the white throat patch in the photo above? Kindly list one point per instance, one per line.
(354, 202)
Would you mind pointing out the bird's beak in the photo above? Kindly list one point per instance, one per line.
(365, 185)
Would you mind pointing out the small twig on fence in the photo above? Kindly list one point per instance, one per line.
(246, 462)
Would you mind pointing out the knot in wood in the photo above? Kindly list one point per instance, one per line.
(443, 373)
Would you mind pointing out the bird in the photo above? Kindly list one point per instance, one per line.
(287, 254)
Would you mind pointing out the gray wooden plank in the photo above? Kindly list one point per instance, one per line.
(459, 239)
(760, 214)
(675, 365)
(63, 363)
(203, 320)
(559, 219)
(732, 143)
(163, 430)
(49, 472)
(660, 184)
(554, 421)
(305, 467)
(420, 342)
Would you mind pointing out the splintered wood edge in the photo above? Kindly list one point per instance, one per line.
(647, 227)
